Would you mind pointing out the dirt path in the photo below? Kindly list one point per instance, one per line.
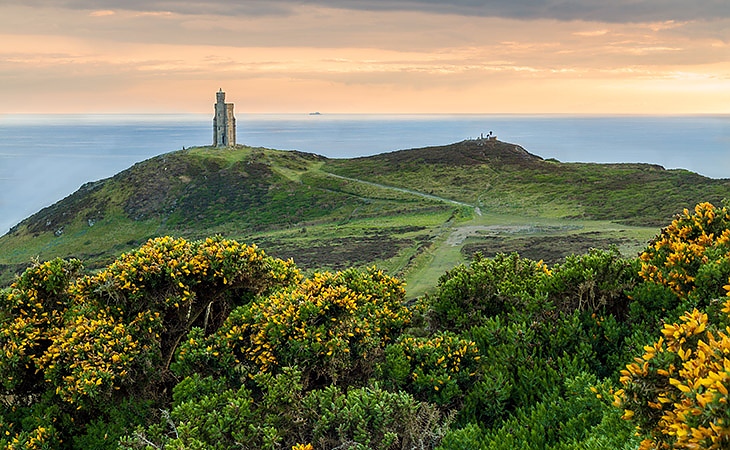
(477, 211)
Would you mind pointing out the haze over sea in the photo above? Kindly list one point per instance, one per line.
(44, 158)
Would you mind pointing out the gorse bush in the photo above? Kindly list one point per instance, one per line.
(692, 253)
(275, 412)
(569, 418)
(438, 369)
(206, 413)
(509, 285)
(677, 390)
(212, 344)
(371, 418)
(596, 281)
(467, 295)
(331, 326)
(75, 348)
(34, 306)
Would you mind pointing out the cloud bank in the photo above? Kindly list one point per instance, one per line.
(612, 11)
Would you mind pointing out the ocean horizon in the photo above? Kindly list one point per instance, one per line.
(44, 158)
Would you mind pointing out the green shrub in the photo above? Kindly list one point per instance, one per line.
(272, 412)
(207, 415)
(488, 400)
(532, 357)
(80, 351)
(651, 303)
(370, 418)
(506, 284)
(437, 369)
(596, 281)
(470, 437)
(332, 326)
(571, 417)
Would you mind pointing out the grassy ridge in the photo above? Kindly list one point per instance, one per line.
(280, 200)
(400, 210)
(505, 178)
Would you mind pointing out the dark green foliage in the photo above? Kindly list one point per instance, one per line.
(104, 431)
(572, 417)
(470, 437)
(711, 278)
(607, 338)
(213, 345)
(488, 400)
(370, 418)
(577, 308)
(207, 414)
(274, 412)
(467, 295)
(439, 369)
(650, 303)
(536, 328)
(595, 281)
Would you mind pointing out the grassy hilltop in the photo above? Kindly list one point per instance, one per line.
(415, 213)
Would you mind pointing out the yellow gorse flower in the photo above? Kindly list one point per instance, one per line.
(678, 389)
(90, 336)
(329, 321)
(677, 253)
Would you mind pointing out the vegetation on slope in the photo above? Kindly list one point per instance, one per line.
(498, 176)
(274, 197)
(212, 344)
(404, 210)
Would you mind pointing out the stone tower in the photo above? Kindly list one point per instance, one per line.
(224, 123)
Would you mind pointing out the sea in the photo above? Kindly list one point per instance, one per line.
(44, 158)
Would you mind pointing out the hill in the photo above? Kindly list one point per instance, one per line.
(505, 177)
(414, 212)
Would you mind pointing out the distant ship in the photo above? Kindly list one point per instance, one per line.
(316, 113)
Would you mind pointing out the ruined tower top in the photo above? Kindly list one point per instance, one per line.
(224, 122)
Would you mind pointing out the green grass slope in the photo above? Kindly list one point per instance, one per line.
(415, 213)
(278, 199)
(502, 177)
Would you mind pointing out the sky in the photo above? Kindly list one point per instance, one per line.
(357, 56)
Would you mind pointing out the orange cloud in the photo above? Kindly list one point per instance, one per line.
(591, 33)
(102, 13)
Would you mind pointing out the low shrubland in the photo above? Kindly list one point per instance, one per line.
(213, 344)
